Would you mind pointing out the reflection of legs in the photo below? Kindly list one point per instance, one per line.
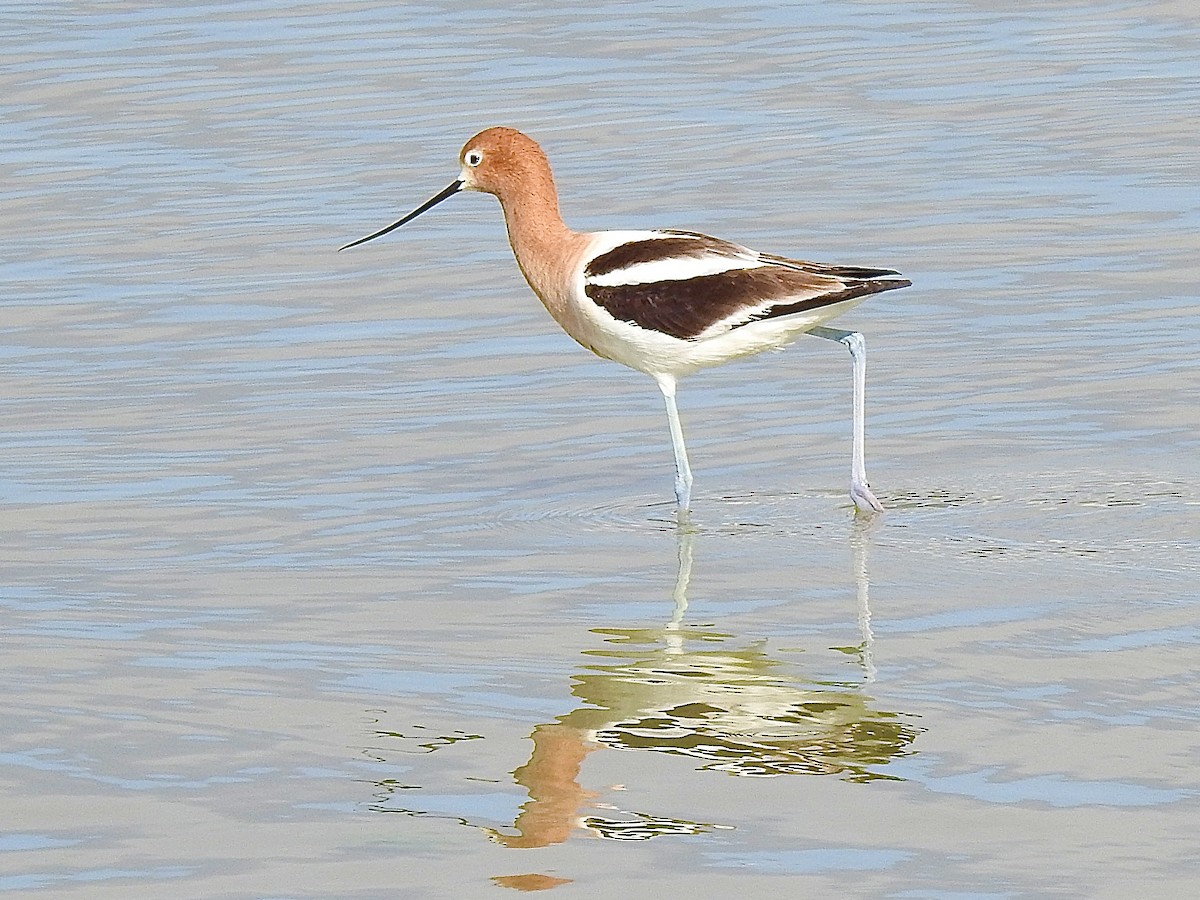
(685, 536)
(683, 472)
(860, 492)
(859, 537)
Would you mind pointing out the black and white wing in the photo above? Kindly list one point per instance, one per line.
(693, 287)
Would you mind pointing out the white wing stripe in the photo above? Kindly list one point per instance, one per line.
(678, 268)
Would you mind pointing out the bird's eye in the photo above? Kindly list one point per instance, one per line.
(473, 158)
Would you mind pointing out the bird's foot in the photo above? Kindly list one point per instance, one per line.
(683, 493)
(864, 500)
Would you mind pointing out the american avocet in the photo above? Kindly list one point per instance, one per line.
(663, 302)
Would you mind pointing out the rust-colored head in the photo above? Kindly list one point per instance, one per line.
(503, 161)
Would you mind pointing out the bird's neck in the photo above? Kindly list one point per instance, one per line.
(544, 246)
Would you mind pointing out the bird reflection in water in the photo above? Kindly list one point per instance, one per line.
(688, 691)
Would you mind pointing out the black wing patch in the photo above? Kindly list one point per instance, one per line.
(685, 308)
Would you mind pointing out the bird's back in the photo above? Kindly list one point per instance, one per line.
(679, 300)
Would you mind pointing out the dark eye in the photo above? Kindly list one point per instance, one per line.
(473, 158)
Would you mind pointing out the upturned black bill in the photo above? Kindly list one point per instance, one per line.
(451, 190)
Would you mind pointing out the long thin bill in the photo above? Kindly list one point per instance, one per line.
(454, 187)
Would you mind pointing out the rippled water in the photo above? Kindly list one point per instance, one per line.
(347, 575)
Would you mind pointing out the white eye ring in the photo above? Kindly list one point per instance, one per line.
(473, 158)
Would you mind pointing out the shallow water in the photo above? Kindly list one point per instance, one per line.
(348, 575)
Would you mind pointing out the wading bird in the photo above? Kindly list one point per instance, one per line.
(663, 302)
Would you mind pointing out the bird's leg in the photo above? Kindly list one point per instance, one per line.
(683, 472)
(860, 492)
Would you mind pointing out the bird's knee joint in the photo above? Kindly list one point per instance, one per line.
(855, 343)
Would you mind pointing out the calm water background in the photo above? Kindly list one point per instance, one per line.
(305, 554)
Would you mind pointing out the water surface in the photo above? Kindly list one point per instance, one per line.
(348, 575)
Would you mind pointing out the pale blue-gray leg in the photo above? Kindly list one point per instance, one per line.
(683, 472)
(860, 492)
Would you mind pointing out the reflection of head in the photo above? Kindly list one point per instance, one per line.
(735, 709)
